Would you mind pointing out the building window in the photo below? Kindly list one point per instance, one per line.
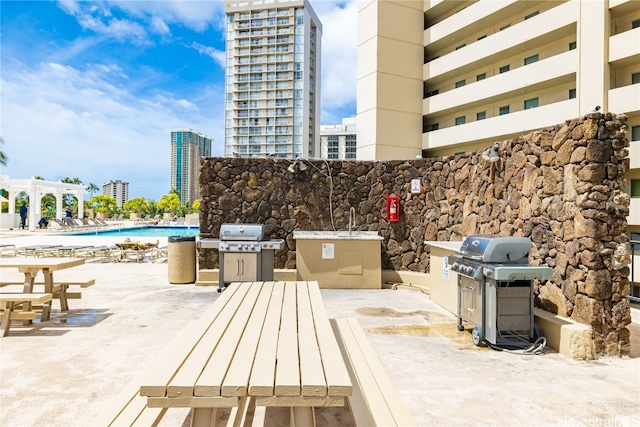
(531, 59)
(530, 103)
(434, 126)
(504, 69)
(635, 24)
(350, 147)
(635, 78)
(430, 94)
(461, 83)
(505, 27)
(460, 120)
(573, 45)
(504, 110)
(635, 188)
(461, 46)
(482, 37)
(481, 77)
(531, 15)
(332, 146)
(481, 115)
(635, 133)
(572, 94)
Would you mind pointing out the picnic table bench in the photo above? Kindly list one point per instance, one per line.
(375, 400)
(11, 301)
(59, 289)
(260, 343)
(30, 269)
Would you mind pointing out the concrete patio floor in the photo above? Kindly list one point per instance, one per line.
(60, 373)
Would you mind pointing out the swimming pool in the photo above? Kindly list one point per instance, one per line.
(149, 231)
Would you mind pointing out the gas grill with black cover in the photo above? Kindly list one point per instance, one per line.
(495, 291)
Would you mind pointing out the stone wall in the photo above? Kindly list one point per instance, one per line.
(561, 186)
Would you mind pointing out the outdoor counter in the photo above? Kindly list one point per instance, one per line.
(444, 282)
(339, 259)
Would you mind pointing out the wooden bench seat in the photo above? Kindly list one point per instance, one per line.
(60, 289)
(375, 400)
(11, 301)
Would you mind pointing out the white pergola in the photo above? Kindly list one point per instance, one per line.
(36, 188)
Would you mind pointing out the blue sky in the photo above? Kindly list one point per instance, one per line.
(93, 89)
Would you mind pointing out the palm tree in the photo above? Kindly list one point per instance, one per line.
(3, 157)
(69, 199)
(92, 188)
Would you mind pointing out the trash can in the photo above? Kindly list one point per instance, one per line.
(181, 258)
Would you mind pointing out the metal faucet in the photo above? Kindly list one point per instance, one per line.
(352, 218)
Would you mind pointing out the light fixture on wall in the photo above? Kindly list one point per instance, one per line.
(301, 166)
(292, 166)
(492, 153)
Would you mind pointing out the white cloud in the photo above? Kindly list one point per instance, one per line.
(339, 56)
(62, 122)
(217, 55)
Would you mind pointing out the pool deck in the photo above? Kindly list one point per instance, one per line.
(60, 373)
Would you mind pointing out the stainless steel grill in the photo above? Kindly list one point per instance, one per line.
(495, 287)
(244, 255)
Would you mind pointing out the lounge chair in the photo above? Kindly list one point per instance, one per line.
(166, 221)
(180, 221)
(109, 224)
(194, 222)
(58, 225)
(144, 220)
(8, 250)
(138, 251)
(31, 250)
(108, 253)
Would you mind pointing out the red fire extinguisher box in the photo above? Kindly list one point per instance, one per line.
(393, 208)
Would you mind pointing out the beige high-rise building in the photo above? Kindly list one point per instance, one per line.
(442, 77)
(119, 190)
(272, 104)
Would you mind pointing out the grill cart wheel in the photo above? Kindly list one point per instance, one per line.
(477, 335)
(460, 328)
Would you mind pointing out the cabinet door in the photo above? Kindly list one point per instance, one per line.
(239, 267)
(249, 267)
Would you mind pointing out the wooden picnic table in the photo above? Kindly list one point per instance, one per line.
(267, 341)
(30, 268)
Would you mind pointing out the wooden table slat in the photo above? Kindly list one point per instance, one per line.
(313, 381)
(156, 377)
(236, 382)
(184, 381)
(209, 382)
(287, 367)
(262, 380)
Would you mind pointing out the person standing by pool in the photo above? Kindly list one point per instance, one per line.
(23, 216)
